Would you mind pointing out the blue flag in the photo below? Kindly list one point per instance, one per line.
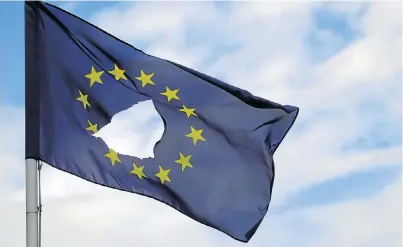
(214, 162)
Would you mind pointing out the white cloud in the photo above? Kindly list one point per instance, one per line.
(271, 61)
(368, 222)
(146, 130)
(69, 6)
(104, 217)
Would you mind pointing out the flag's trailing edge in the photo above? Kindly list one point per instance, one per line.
(214, 162)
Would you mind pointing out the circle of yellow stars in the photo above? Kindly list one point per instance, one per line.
(94, 77)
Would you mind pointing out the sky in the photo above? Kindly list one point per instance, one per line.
(338, 172)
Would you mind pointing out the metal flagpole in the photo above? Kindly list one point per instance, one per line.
(32, 209)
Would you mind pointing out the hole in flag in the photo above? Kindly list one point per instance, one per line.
(134, 131)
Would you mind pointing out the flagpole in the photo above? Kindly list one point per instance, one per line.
(31, 191)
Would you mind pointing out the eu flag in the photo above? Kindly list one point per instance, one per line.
(214, 162)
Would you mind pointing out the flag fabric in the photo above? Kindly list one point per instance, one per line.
(214, 162)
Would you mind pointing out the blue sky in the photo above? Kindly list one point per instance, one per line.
(340, 63)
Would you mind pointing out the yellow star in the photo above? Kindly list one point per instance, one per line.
(118, 73)
(92, 127)
(84, 99)
(145, 79)
(184, 161)
(138, 170)
(163, 175)
(113, 156)
(94, 76)
(195, 135)
(170, 94)
(188, 111)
